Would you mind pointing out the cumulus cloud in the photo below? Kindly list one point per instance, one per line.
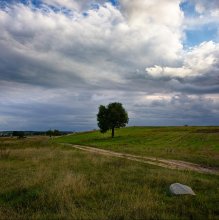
(201, 60)
(48, 44)
(177, 109)
(54, 64)
(140, 13)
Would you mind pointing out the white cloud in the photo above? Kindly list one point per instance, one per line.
(204, 6)
(88, 47)
(199, 8)
(215, 13)
(143, 12)
(199, 61)
(56, 65)
(208, 14)
(75, 5)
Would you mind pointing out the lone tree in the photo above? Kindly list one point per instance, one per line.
(111, 117)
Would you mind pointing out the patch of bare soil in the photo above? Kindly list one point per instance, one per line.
(171, 164)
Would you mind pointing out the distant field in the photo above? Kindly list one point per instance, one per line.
(194, 144)
(45, 180)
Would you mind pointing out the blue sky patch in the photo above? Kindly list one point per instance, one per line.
(189, 9)
(197, 36)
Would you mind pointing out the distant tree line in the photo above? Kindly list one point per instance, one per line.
(23, 134)
(19, 134)
(53, 133)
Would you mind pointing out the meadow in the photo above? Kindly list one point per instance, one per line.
(41, 179)
(194, 144)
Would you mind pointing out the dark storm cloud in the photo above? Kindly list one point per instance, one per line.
(179, 110)
(51, 112)
(57, 68)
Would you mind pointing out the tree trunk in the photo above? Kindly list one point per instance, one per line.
(112, 132)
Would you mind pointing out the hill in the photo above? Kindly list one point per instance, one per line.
(193, 144)
(41, 179)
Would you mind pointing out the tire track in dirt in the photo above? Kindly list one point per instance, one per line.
(171, 164)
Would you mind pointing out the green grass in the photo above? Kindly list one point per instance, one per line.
(44, 180)
(194, 144)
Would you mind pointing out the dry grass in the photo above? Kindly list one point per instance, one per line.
(47, 181)
(4, 153)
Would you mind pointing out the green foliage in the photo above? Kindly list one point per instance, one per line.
(102, 119)
(111, 117)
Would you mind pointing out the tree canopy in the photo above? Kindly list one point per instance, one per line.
(53, 132)
(111, 117)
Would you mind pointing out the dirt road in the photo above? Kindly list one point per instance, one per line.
(171, 164)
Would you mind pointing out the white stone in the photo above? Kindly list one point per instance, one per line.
(180, 189)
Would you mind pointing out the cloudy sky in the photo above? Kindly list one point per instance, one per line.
(61, 59)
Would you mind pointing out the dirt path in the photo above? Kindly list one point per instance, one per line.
(171, 164)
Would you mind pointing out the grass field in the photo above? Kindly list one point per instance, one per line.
(44, 180)
(194, 144)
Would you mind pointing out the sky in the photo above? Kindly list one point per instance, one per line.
(61, 59)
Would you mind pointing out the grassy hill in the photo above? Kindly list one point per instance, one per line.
(194, 144)
(44, 180)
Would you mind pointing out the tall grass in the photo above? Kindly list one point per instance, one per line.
(48, 181)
